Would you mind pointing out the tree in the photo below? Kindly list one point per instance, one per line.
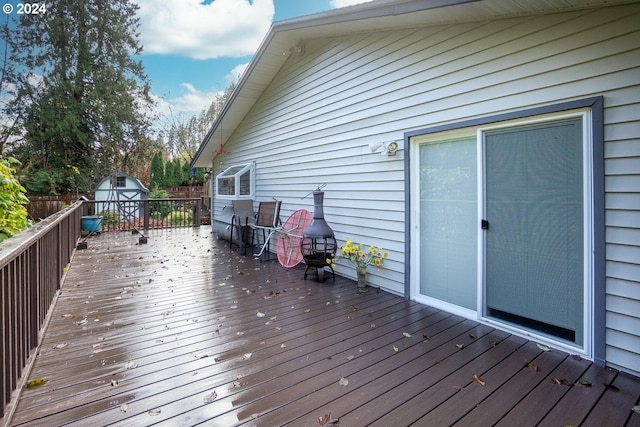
(157, 170)
(82, 101)
(184, 137)
(13, 214)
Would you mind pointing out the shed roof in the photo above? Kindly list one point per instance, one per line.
(286, 36)
(139, 184)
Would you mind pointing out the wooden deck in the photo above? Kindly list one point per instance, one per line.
(182, 332)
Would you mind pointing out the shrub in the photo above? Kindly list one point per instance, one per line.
(110, 218)
(13, 214)
(179, 217)
(159, 210)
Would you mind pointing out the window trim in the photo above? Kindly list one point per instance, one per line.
(236, 176)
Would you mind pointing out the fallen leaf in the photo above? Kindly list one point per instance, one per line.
(260, 314)
(395, 348)
(406, 334)
(636, 409)
(36, 382)
(131, 364)
(327, 420)
(283, 346)
(611, 387)
(582, 383)
(210, 397)
(478, 380)
(114, 383)
(425, 338)
(59, 346)
(543, 347)
(255, 415)
(124, 407)
(473, 337)
(562, 381)
(343, 382)
(247, 356)
(460, 346)
(154, 412)
(350, 357)
(532, 367)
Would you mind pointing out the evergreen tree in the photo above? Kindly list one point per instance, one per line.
(82, 101)
(157, 170)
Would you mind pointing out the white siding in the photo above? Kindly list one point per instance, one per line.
(314, 122)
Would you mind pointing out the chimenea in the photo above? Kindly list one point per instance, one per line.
(318, 245)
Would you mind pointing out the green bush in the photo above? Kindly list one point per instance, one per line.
(110, 218)
(13, 214)
(159, 210)
(179, 217)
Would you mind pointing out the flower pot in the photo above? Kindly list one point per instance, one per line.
(362, 276)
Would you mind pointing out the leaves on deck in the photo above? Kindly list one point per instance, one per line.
(561, 381)
(37, 382)
(636, 409)
(343, 382)
(478, 380)
(460, 346)
(124, 407)
(582, 383)
(209, 398)
(327, 420)
(406, 334)
(131, 364)
(154, 412)
(543, 347)
(532, 367)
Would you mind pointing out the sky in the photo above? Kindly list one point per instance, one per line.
(194, 49)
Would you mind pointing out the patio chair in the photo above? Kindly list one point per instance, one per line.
(243, 218)
(268, 223)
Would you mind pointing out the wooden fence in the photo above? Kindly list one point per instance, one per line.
(32, 265)
(43, 205)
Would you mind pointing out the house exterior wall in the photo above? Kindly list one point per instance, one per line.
(316, 119)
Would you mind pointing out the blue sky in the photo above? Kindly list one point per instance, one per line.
(193, 49)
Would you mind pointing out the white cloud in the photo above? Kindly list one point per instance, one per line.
(234, 75)
(188, 28)
(192, 101)
(345, 3)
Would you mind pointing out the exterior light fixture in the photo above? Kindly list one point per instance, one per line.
(386, 148)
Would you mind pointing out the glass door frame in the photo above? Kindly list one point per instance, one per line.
(593, 311)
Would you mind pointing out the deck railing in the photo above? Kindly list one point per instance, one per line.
(32, 265)
(145, 214)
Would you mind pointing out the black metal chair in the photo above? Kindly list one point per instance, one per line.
(241, 222)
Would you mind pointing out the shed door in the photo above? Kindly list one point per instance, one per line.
(534, 243)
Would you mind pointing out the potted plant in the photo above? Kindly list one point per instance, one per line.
(361, 257)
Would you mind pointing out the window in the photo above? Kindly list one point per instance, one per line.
(121, 181)
(236, 182)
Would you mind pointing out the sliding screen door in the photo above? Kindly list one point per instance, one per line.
(534, 266)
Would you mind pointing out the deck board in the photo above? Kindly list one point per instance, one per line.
(182, 331)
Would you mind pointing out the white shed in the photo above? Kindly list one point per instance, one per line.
(124, 188)
(514, 196)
